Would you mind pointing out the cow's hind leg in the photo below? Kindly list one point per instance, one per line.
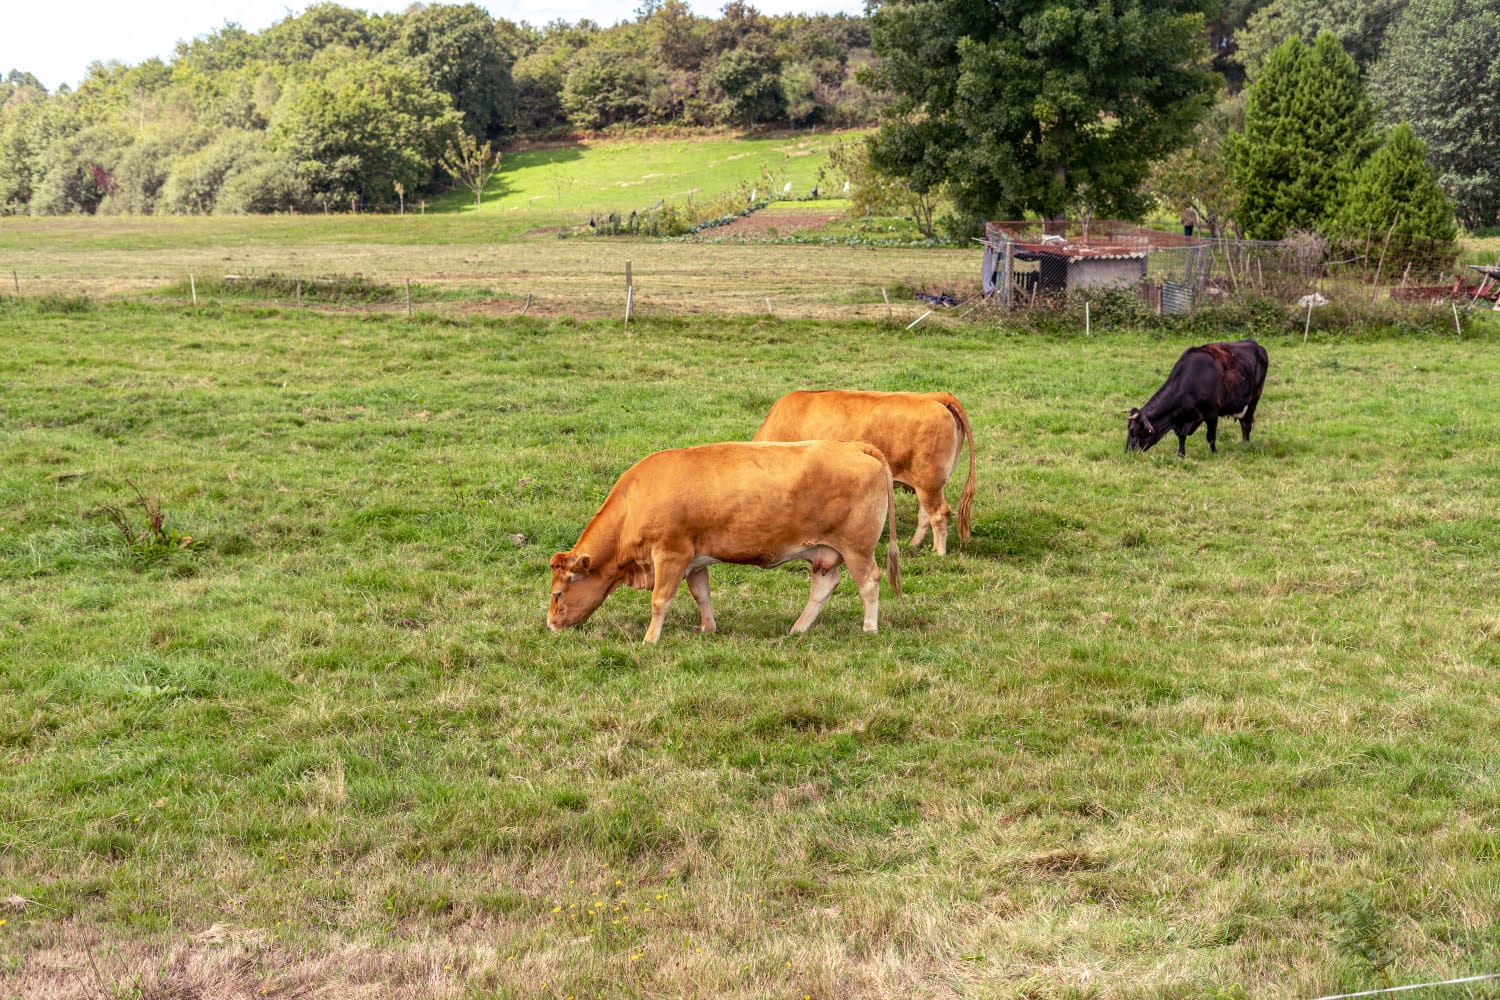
(936, 512)
(697, 582)
(1211, 430)
(866, 573)
(1247, 421)
(825, 576)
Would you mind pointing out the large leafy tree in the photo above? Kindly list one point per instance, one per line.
(1197, 176)
(1308, 125)
(460, 50)
(24, 135)
(609, 83)
(1441, 73)
(745, 83)
(1359, 25)
(1038, 105)
(364, 127)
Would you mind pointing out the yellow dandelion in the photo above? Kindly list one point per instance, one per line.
(619, 882)
(557, 909)
(2, 921)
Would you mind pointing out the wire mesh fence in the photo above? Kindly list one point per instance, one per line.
(1027, 265)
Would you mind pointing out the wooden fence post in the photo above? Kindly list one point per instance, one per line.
(629, 294)
(1007, 273)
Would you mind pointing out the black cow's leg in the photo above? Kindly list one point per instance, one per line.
(1181, 445)
(1211, 429)
(1248, 420)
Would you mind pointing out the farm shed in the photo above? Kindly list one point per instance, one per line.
(1112, 255)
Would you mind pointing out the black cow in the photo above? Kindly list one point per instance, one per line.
(1206, 383)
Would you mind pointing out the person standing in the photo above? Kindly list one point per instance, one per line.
(1189, 220)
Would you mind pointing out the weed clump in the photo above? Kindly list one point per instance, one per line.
(154, 539)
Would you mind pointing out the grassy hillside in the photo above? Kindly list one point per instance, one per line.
(1168, 728)
(568, 181)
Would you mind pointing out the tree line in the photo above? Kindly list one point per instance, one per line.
(1326, 116)
(338, 107)
(1262, 116)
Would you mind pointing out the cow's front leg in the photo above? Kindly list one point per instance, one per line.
(668, 571)
(1181, 444)
(697, 582)
(923, 523)
(1211, 431)
(825, 577)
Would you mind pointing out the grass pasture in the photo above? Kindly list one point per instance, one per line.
(1214, 727)
(464, 262)
(625, 175)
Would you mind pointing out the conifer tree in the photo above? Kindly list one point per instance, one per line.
(1308, 125)
(1396, 193)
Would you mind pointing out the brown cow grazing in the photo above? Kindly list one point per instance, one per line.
(675, 513)
(920, 433)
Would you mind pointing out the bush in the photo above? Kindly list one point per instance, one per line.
(192, 187)
(265, 184)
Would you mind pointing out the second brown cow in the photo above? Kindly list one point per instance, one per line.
(921, 435)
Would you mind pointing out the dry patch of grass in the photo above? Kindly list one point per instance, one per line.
(563, 277)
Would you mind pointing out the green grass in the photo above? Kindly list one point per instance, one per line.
(623, 175)
(1152, 735)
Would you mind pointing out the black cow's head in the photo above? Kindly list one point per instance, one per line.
(1139, 434)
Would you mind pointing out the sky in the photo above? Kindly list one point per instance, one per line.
(57, 44)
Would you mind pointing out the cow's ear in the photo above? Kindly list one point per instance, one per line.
(581, 563)
(559, 560)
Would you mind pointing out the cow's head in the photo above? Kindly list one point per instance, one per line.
(1139, 433)
(578, 588)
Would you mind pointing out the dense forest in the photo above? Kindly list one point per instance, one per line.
(337, 107)
(984, 105)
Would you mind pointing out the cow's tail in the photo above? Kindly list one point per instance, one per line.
(966, 501)
(893, 548)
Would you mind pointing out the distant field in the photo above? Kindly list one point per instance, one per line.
(486, 264)
(623, 175)
(1202, 728)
